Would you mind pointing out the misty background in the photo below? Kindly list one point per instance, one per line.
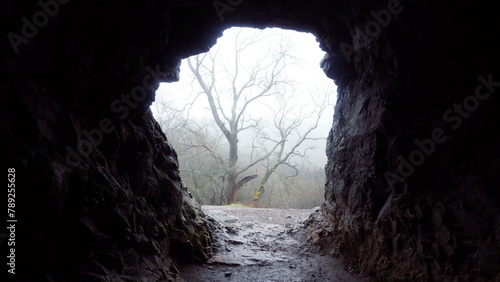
(300, 91)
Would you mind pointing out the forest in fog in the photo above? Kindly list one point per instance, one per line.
(249, 120)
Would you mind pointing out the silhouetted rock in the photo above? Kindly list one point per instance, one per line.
(98, 189)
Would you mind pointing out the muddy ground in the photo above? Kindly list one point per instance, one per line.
(264, 245)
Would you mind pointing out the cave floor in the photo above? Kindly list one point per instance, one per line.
(264, 245)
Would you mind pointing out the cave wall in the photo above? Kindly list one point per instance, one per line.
(413, 172)
(98, 189)
(121, 208)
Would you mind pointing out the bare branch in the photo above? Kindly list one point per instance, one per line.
(210, 98)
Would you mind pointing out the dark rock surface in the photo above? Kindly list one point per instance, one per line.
(99, 193)
(118, 208)
(408, 105)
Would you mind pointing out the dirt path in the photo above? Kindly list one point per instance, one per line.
(264, 245)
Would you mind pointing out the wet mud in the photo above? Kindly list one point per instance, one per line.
(264, 245)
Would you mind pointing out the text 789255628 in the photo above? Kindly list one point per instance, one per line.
(11, 221)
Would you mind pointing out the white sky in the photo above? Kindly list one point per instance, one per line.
(307, 73)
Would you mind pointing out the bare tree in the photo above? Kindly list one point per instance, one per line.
(292, 133)
(196, 144)
(213, 161)
(245, 86)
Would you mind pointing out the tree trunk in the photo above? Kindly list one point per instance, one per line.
(264, 180)
(231, 188)
(262, 186)
(232, 193)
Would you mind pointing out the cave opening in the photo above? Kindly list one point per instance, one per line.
(286, 117)
(270, 94)
(118, 209)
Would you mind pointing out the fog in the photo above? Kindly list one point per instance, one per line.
(304, 71)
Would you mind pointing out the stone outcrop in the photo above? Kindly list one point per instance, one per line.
(412, 177)
(98, 189)
(413, 172)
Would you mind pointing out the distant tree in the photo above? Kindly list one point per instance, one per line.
(293, 133)
(214, 164)
(202, 168)
(231, 91)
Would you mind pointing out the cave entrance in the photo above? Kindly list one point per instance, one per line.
(252, 115)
